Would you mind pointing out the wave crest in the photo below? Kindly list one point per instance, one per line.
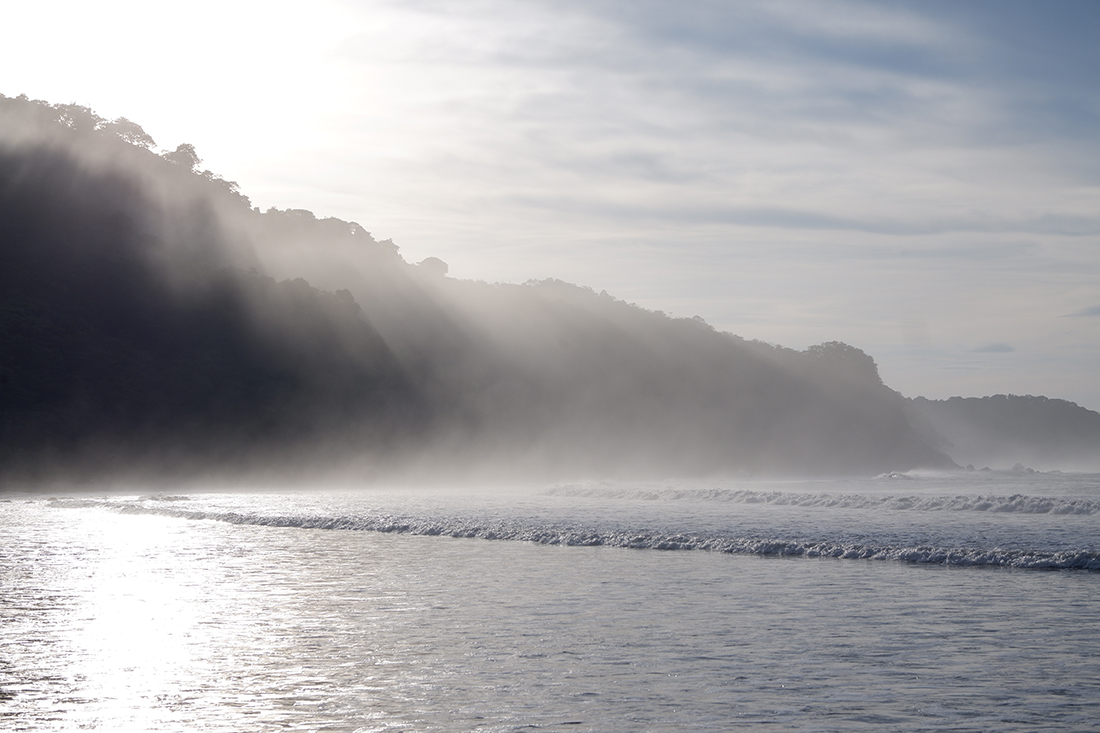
(568, 535)
(1016, 503)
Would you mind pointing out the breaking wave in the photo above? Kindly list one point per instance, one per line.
(570, 535)
(1016, 503)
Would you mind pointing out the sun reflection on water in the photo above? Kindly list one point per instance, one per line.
(133, 634)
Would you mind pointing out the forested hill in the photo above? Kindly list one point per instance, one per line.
(152, 320)
(1002, 431)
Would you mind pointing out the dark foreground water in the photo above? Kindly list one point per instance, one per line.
(962, 603)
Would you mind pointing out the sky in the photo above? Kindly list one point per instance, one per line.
(918, 179)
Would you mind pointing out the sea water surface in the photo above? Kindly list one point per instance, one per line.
(962, 602)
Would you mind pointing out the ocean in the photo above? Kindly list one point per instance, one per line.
(906, 602)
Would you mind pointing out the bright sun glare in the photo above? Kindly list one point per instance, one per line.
(139, 633)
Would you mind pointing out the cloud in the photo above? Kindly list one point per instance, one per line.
(995, 348)
(851, 117)
(1084, 312)
(794, 218)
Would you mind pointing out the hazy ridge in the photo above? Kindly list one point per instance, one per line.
(1005, 430)
(154, 321)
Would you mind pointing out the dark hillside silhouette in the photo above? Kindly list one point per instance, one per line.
(113, 337)
(152, 319)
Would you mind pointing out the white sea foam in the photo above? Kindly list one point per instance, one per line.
(592, 535)
(1015, 503)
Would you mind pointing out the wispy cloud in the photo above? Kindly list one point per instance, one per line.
(1084, 312)
(995, 348)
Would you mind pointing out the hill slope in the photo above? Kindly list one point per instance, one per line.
(1004, 430)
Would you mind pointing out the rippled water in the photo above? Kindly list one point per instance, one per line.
(905, 604)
